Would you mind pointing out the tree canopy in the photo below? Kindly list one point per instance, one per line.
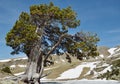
(48, 20)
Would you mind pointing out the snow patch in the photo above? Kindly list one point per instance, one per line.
(117, 54)
(92, 66)
(112, 50)
(62, 60)
(118, 50)
(106, 69)
(21, 65)
(76, 72)
(42, 79)
(105, 64)
(102, 56)
(96, 57)
(6, 60)
(12, 66)
(19, 73)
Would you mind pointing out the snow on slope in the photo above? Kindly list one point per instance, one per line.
(6, 60)
(76, 72)
(112, 50)
(19, 73)
(118, 50)
(22, 65)
(12, 66)
(102, 56)
(20, 58)
(106, 69)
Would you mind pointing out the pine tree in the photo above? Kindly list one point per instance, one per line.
(44, 31)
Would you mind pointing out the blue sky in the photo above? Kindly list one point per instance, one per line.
(97, 16)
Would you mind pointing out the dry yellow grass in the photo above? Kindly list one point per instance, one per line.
(60, 69)
(85, 70)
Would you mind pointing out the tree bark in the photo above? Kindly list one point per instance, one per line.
(35, 66)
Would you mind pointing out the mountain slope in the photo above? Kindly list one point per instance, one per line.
(63, 70)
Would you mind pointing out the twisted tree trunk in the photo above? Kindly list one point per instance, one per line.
(35, 66)
(36, 62)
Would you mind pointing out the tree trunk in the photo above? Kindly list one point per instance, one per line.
(34, 72)
(35, 66)
(36, 62)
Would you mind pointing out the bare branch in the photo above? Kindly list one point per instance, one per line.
(54, 47)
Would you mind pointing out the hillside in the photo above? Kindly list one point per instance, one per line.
(63, 70)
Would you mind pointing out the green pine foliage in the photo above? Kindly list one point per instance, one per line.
(48, 18)
(6, 70)
(22, 35)
(85, 45)
(46, 23)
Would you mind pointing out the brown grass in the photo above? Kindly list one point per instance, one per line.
(60, 69)
(85, 70)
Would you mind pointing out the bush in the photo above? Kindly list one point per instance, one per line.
(114, 74)
(6, 70)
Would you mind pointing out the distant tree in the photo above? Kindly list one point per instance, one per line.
(44, 31)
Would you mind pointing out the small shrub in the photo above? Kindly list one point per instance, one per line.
(6, 70)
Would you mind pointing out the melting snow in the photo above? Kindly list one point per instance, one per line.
(106, 69)
(19, 73)
(63, 60)
(76, 72)
(102, 56)
(7, 60)
(21, 65)
(105, 64)
(111, 50)
(118, 50)
(12, 66)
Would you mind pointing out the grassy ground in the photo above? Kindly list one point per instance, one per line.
(13, 70)
(55, 72)
(85, 70)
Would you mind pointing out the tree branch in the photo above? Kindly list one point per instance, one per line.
(54, 47)
(46, 74)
